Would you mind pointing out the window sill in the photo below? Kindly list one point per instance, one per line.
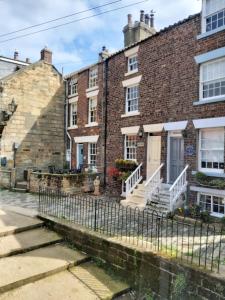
(209, 33)
(72, 96)
(92, 89)
(217, 215)
(213, 174)
(91, 124)
(127, 115)
(213, 100)
(131, 72)
(72, 127)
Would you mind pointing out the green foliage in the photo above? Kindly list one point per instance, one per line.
(205, 216)
(125, 165)
(208, 181)
(223, 221)
(179, 286)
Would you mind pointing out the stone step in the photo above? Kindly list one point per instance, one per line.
(19, 190)
(11, 222)
(21, 185)
(27, 241)
(84, 282)
(16, 271)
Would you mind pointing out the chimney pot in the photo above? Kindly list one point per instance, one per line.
(16, 55)
(129, 17)
(142, 16)
(46, 55)
(147, 19)
(152, 15)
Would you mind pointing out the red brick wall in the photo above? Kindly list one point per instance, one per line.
(82, 109)
(169, 86)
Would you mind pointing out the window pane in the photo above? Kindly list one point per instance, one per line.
(132, 99)
(130, 147)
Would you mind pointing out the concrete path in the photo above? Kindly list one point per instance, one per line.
(35, 264)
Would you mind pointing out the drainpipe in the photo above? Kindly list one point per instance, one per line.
(66, 133)
(105, 100)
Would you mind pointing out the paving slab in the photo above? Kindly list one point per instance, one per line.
(19, 270)
(105, 286)
(11, 222)
(84, 282)
(27, 241)
(61, 286)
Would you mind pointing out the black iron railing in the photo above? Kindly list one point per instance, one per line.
(193, 241)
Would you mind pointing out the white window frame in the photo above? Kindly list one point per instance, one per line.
(209, 170)
(125, 147)
(72, 84)
(126, 107)
(205, 15)
(211, 81)
(73, 114)
(93, 77)
(216, 214)
(90, 145)
(129, 64)
(92, 109)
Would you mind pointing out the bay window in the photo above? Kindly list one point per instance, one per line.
(211, 150)
(213, 204)
(132, 99)
(131, 147)
(212, 79)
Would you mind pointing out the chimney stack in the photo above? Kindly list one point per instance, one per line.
(104, 54)
(147, 19)
(27, 60)
(142, 16)
(16, 55)
(129, 17)
(46, 55)
(152, 15)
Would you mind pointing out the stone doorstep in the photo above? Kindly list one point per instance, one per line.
(16, 271)
(27, 241)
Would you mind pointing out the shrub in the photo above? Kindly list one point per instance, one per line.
(205, 216)
(113, 172)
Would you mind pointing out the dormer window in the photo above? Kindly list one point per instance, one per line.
(72, 87)
(132, 63)
(213, 15)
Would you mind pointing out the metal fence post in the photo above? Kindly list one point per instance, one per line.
(95, 220)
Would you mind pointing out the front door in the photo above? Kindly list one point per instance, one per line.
(153, 155)
(176, 163)
(80, 155)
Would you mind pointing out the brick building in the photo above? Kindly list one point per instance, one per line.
(32, 117)
(85, 116)
(164, 99)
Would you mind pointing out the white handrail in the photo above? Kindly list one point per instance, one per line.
(133, 180)
(153, 183)
(178, 187)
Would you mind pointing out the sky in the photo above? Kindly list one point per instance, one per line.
(78, 44)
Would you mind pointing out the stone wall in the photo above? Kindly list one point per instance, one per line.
(37, 125)
(68, 183)
(145, 271)
(5, 179)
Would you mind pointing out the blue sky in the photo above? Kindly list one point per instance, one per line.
(78, 44)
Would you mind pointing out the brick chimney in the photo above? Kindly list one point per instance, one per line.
(139, 30)
(16, 55)
(46, 55)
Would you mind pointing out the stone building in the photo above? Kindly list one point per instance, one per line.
(9, 65)
(32, 117)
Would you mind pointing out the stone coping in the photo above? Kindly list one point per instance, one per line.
(5, 171)
(65, 175)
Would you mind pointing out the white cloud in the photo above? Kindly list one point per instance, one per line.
(79, 43)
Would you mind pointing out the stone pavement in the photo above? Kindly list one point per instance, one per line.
(36, 264)
(25, 200)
